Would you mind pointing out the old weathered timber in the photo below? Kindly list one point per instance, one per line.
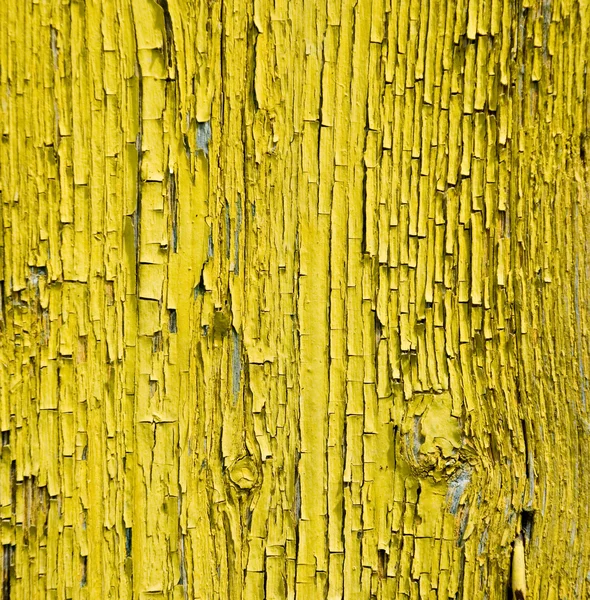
(295, 299)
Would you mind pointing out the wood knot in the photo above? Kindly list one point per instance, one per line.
(432, 436)
(243, 473)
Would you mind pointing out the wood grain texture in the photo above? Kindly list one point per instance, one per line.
(295, 299)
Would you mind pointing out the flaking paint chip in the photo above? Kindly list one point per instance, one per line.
(151, 281)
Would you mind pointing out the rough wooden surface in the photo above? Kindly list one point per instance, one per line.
(295, 299)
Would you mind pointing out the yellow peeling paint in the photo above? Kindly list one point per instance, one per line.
(294, 299)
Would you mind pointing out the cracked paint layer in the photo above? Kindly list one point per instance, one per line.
(294, 299)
